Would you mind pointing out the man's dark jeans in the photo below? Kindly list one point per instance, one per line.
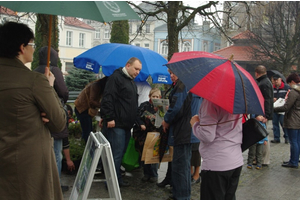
(118, 139)
(278, 119)
(181, 171)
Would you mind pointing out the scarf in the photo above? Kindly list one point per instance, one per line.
(126, 73)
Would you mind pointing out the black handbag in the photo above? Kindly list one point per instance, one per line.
(253, 132)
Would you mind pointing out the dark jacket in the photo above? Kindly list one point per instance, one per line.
(120, 100)
(147, 118)
(281, 91)
(266, 89)
(59, 84)
(179, 114)
(291, 109)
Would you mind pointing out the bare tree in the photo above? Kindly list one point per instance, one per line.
(277, 34)
(176, 15)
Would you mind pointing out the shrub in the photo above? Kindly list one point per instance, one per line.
(77, 146)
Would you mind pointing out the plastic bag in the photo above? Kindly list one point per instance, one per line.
(130, 159)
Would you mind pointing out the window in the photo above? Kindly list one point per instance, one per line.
(137, 28)
(130, 28)
(69, 38)
(69, 66)
(147, 28)
(217, 46)
(81, 39)
(146, 45)
(137, 44)
(97, 34)
(106, 34)
(164, 48)
(205, 46)
(186, 46)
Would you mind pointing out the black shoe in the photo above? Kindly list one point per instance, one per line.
(123, 172)
(153, 179)
(124, 184)
(275, 141)
(195, 181)
(146, 178)
(163, 183)
(289, 165)
(286, 141)
(64, 188)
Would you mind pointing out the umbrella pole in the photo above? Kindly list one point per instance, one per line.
(49, 42)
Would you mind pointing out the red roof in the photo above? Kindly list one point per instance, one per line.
(7, 11)
(240, 53)
(72, 21)
(243, 35)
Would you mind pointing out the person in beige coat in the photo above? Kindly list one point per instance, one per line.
(29, 109)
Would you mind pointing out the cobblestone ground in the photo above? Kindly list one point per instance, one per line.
(272, 182)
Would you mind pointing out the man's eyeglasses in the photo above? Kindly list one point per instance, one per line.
(32, 44)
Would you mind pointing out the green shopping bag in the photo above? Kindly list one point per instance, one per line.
(130, 159)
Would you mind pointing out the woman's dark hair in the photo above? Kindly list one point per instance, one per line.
(12, 36)
(293, 77)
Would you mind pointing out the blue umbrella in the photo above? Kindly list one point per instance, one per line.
(111, 56)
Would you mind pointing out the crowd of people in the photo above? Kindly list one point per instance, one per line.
(34, 125)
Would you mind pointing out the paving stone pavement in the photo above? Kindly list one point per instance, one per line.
(272, 182)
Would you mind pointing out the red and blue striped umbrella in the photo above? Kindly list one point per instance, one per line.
(218, 80)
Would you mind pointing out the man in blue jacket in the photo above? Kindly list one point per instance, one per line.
(119, 110)
(177, 120)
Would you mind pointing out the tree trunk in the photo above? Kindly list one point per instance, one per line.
(172, 28)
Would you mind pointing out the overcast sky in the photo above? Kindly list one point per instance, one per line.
(196, 4)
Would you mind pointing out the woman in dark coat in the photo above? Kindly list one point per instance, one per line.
(27, 162)
(291, 119)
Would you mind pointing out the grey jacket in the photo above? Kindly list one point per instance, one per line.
(291, 109)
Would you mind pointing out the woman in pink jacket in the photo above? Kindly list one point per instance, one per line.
(220, 133)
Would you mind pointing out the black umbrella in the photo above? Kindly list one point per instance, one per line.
(271, 73)
(163, 142)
